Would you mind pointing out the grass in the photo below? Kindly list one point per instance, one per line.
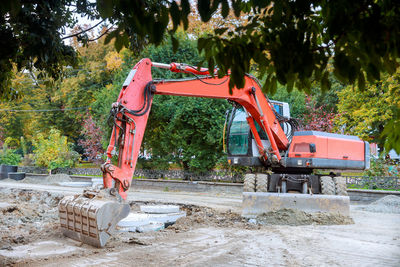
(87, 165)
(367, 188)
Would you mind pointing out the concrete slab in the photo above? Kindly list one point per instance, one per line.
(134, 221)
(153, 226)
(257, 203)
(159, 209)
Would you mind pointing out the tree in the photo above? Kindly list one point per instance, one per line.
(45, 103)
(187, 131)
(53, 151)
(365, 113)
(317, 118)
(290, 42)
(295, 99)
(92, 137)
(30, 37)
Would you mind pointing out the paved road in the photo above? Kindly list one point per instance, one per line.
(220, 201)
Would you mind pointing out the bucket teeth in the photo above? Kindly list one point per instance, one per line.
(91, 217)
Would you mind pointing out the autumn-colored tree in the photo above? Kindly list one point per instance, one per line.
(317, 118)
(92, 137)
(365, 113)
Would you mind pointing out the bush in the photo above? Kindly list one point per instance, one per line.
(54, 151)
(9, 156)
(382, 167)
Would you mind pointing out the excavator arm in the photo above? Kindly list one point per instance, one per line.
(131, 112)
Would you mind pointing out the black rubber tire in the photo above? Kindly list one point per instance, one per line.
(261, 182)
(340, 186)
(16, 175)
(249, 184)
(327, 185)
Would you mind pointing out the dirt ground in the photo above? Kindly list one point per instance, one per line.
(29, 235)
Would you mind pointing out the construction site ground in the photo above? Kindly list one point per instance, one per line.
(212, 234)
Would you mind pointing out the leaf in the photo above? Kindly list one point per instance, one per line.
(105, 8)
(236, 4)
(273, 87)
(110, 36)
(175, 14)
(225, 8)
(220, 31)
(203, 6)
(15, 7)
(290, 84)
(211, 66)
(185, 6)
(175, 43)
(361, 81)
(118, 42)
(325, 83)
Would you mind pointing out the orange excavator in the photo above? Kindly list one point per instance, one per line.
(258, 135)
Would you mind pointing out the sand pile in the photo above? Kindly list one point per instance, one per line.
(388, 204)
(296, 217)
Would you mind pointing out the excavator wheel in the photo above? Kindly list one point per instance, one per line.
(249, 184)
(327, 185)
(91, 218)
(261, 182)
(340, 185)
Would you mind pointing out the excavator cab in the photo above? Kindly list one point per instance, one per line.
(241, 145)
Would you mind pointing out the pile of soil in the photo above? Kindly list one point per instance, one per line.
(197, 217)
(388, 204)
(34, 215)
(296, 217)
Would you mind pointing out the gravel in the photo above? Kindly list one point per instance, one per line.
(388, 204)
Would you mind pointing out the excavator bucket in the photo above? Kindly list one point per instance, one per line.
(92, 217)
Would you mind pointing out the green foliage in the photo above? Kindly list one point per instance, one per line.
(187, 131)
(296, 100)
(53, 151)
(9, 156)
(181, 130)
(289, 42)
(366, 113)
(63, 102)
(31, 38)
(381, 167)
(391, 132)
